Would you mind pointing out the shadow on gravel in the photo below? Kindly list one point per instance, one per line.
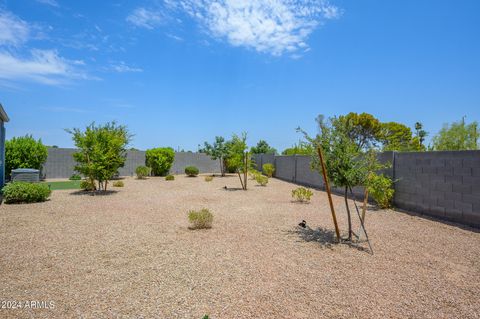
(233, 189)
(95, 193)
(324, 237)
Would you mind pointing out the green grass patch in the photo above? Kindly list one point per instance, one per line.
(54, 186)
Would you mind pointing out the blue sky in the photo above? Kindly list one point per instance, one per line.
(177, 73)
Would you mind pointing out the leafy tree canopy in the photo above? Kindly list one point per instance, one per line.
(263, 148)
(102, 151)
(457, 136)
(217, 151)
(398, 137)
(363, 129)
(24, 152)
(302, 148)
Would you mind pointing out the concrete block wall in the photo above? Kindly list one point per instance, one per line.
(439, 184)
(60, 163)
(204, 163)
(285, 168)
(444, 185)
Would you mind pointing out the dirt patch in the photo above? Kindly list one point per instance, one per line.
(131, 254)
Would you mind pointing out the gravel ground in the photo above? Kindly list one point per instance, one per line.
(130, 254)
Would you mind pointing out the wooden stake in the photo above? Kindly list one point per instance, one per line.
(329, 194)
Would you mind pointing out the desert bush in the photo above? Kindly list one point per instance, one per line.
(118, 184)
(191, 171)
(88, 185)
(208, 178)
(200, 219)
(302, 194)
(268, 169)
(261, 180)
(253, 173)
(380, 187)
(75, 177)
(24, 152)
(169, 178)
(143, 171)
(22, 192)
(160, 160)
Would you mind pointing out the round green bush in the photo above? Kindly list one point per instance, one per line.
(142, 172)
(191, 171)
(268, 169)
(24, 152)
(261, 180)
(22, 192)
(75, 177)
(169, 178)
(160, 160)
(380, 187)
(118, 184)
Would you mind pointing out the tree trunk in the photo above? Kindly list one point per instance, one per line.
(348, 214)
(222, 167)
(245, 171)
(240, 177)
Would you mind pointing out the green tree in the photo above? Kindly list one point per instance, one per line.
(24, 152)
(217, 151)
(263, 148)
(364, 129)
(302, 148)
(398, 137)
(239, 158)
(160, 159)
(420, 133)
(347, 166)
(457, 136)
(102, 151)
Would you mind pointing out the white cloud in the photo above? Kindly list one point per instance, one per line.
(52, 3)
(13, 30)
(142, 17)
(174, 37)
(122, 67)
(269, 26)
(18, 62)
(42, 66)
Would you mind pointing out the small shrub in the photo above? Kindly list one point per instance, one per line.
(254, 173)
(268, 169)
(261, 180)
(22, 192)
(381, 189)
(88, 185)
(208, 178)
(191, 171)
(75, 177)
(200, 219)
(169, 178)
(302, 194)
(143, 171)
(118, 184)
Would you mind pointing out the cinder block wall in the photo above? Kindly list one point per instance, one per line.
(440, 184)
(445, 185)
(60, 163)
